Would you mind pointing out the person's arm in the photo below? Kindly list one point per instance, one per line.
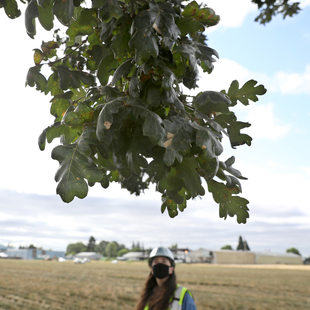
(188, 302)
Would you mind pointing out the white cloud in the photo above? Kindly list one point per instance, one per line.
(45, 221)
(232, 13)
(276, 190)
(304, 3)
(227, 70)
(306, 169)
(264, 123)
(291, 83)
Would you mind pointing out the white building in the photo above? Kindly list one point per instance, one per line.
(233, 257)
(199, 256)
(89, 255)
(132, 256)
(277, 258)
(241, 257)
(22, 253)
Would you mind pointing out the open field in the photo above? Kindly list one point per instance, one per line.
(34, 285)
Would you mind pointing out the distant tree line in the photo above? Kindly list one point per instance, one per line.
(105, 248)
(242, 246)
(114, 249)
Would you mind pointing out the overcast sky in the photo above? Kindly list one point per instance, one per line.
(277, 163)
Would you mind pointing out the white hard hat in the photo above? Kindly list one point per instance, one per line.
(161, 251)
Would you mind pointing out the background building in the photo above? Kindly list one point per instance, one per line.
(276, 258)
(233, 257)
(89, 255)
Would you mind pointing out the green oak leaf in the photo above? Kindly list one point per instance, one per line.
(105, 118)
(228, 167)
(178, 141)
(143, 39)
(229, 204)
(209, 141)
(60, 104)
(109, 9)
(38, 56)
(122, 71)
(11, 8)
(153, 96)
(30, 15)
(83, 25)
(46, 16)
(55, 131)
(162, 17)
(189, 25)
(87, 140)
(68, 78)
(74, 169)
(211, 102)
(235, 206)
(63, 9)
(205, 56)
(170, 182)
(121, 37)
(207, 166)
(145, 44)
(196, 18)
(187, 171)
(247, 92)
(153, 128)
(236, 137)
(35, 78)
(42, 140)
(171, 206)
(53, 85)
(107, 66)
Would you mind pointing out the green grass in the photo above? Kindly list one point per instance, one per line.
(34, 285)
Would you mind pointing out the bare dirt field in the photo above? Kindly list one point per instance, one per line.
(34, 285)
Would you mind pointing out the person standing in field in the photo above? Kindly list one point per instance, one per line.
(161, 291)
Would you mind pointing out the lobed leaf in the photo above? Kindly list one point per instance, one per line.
(247, 92)
(105, 118)
(211, 102)
(153, 128)
(228, 204)
(83, 25)
(235, 136)
(35, 78)
(74, 169)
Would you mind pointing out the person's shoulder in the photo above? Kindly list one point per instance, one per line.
(188, 302)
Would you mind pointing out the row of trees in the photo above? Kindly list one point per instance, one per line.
(105, 248)
(243, 246)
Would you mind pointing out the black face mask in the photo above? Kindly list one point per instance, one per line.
(160, 271)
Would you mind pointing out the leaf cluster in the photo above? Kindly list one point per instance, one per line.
(120, 113)
(270, 8)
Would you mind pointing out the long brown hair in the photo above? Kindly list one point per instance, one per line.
(157, 297)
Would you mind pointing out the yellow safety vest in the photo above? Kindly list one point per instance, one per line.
(177, 302)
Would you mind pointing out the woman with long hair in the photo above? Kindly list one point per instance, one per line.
(161, 291)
